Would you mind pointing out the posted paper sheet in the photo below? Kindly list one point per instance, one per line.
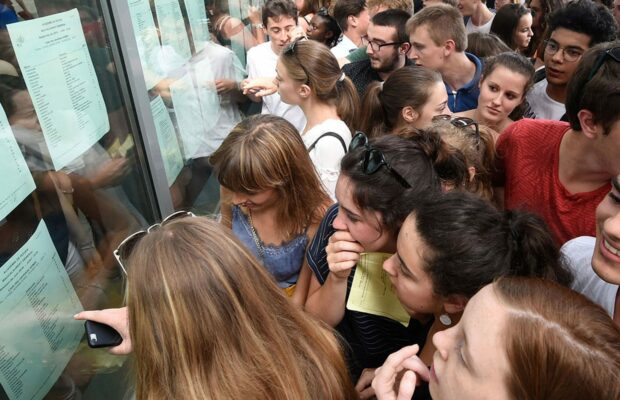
(61, 80)
(167, 139)
(37, 304)
(372, 292)
(15, 180)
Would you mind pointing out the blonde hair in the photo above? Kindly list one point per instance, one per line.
(208, 322)
(323, 75)
(560, 345)
(265, 152)
(444, 22)
(404, 5)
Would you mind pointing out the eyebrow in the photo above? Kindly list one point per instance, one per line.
(349, 211)
(402, 262)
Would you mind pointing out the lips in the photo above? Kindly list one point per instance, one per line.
(610, 248)
(554, 72)
(493, 111)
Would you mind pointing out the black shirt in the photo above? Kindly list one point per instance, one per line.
(362, 74)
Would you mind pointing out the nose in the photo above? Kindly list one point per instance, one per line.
(443, 341)
(339, 223)
(239, 198)
(389, 266)
(558, 57)
(497, 99)
(530, 32)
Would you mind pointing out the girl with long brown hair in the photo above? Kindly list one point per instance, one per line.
(272, 197)
(206, 321)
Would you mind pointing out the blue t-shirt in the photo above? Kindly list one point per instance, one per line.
(466, 98)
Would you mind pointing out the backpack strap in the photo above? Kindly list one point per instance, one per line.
(332, 134)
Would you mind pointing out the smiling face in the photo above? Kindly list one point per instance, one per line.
(558, 69)
(470, 361)
(258, 201)
(424, 51)
(500, 93)
(385, 58)
(606, 258)
(406, 270)
(363, 225)
(523, 33)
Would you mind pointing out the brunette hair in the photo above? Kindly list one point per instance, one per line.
(515, 62)
(444, 22)
(479, 152)
(424, 161)
(322, 73)
(506, 22)
(384, 101)
(485, 45)
(276, 9)
(470, 243)
(559, 345)
(404, 5)
(266, 152)
(208, 322)
(599, 94)
(344, 8)
(310, 7)
(396, 19)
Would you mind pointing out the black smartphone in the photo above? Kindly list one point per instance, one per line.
(101, 335)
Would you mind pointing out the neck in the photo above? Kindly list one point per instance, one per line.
(317, 111)
(399, 64)
(481, 15)
(458, 70)
(581, 167)
(497, 126)
(429, 348)
(354, 36)
(556, 92)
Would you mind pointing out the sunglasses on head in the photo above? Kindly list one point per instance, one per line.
(613, 53)
(124, 249)
(461, 122)
(373, 159)
(290, 49)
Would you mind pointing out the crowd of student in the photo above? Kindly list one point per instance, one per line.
(499, 234)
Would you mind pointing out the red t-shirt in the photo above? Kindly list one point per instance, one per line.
(528, 154)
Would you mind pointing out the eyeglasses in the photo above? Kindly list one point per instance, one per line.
(377, 46)
(124, 249)
(290, 49)
(613, 53)
(571, 54)
(374, 158)
(461, 122)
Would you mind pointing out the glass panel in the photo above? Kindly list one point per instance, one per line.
(192, 54)
(72, 187)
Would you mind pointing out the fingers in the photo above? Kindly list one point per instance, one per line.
(407, 386)
(343, 253)
(363, 387)
(118, 319)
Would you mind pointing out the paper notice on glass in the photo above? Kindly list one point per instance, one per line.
(168, 143)
(372, 291)
(172, 27)
(15, 180)
(197, 15)
(60, 76)
(188, 115)
(37, 304)
(147, 40)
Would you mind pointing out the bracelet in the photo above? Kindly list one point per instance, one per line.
(258, 26)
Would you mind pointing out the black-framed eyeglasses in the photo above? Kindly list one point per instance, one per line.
(377, 46)
(125, 248)
(571, 54)
(374, 159)
(290, 49)
(461, 122)
(613, 53)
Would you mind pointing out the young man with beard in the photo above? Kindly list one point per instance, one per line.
(388, 45)
(574, 29)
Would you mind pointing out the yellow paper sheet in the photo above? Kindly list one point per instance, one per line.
(372, 291)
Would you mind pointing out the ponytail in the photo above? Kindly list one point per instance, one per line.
(347, 102)
(471, 244)
(374, 121)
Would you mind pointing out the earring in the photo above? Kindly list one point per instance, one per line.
(445, 320)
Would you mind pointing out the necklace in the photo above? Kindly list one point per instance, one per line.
(257, 241)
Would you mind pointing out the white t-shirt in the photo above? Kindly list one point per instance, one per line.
(328, 151)
(344, 47)
(578, 254)
(262, 63)
(484, 28)
(542, 105)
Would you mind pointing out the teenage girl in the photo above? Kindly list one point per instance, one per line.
(271, 196)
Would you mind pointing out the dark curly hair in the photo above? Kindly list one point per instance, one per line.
(587, 17)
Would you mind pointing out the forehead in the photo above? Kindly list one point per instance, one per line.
(566, 38)
(282, 21)
(507, 78)
(525, 19)
(377, 32)
(422, 35)
(344, 189)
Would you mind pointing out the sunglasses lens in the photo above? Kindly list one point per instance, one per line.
(358, 140)
(442, 117)
(373, 161)
(126, 247)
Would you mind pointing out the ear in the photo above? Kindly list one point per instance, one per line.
(589, 128)
(409, 114)
(455, 303)
(448, 47)
(472, 173)
(352, 21)
(304, 91)
(404, 48)
(329, 35)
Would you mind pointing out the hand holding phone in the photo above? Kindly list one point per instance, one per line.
(101, 335)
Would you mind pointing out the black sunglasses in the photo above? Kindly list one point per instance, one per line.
(461, 122)
(125, 248)
(613, 53)
(374, 158)
(290, 49)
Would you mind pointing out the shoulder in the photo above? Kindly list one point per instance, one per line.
(356, 68)
(578, 251)
(316, 255)
(534, 129)
(260, 50)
